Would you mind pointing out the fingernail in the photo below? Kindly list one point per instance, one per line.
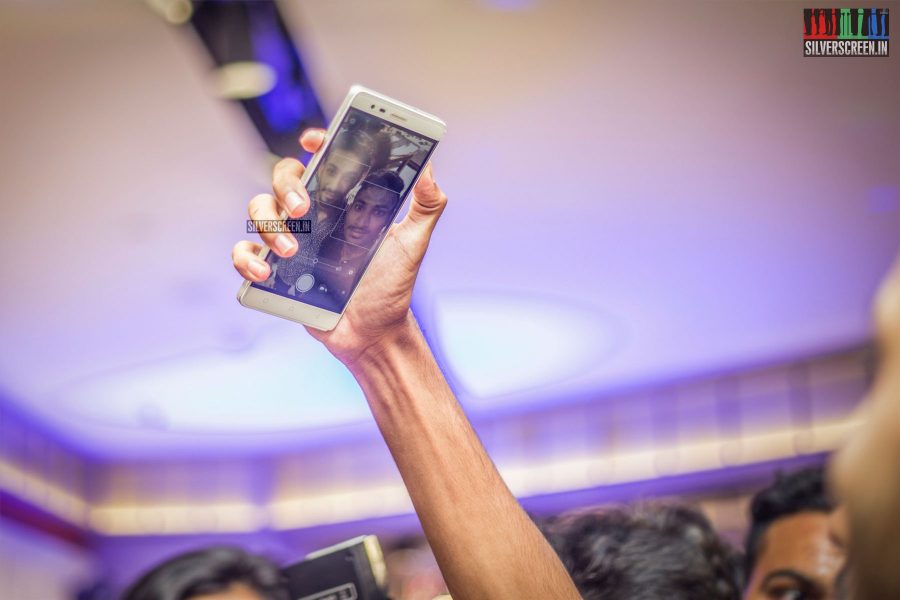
(294, 201)
(259, 268)
(284, 243)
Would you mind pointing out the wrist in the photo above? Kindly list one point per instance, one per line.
(391, 344)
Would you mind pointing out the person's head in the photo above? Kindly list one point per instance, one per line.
(648, 552)
(372, 207)
(347, 161)
(220, 573)
(789, 552)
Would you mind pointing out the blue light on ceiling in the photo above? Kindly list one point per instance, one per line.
(286, 382)
(500, 344)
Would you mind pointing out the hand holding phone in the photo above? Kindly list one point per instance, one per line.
(379, 306)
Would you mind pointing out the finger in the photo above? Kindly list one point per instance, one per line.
(245, 257)
(428, 201)
(291, 194)
(312, 139)
(264, 208)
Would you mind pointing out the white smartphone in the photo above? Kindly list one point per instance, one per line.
(374, 151)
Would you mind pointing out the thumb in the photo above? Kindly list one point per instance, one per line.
(428, 201)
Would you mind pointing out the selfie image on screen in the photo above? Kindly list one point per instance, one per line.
(356, 192)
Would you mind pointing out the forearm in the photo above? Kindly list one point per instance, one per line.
(485, 544)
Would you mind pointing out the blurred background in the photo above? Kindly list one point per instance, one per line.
(653, 278)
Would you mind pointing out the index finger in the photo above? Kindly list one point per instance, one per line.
(291, 194)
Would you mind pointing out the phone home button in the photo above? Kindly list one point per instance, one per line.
(305, 282)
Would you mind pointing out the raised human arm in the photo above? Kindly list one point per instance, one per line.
(485, 544)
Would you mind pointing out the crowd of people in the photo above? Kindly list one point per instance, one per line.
(648, 550)
(810, 535)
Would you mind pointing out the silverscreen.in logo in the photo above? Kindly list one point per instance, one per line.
(846, 31)
(287, 226)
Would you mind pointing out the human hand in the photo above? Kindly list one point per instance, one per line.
(379, 311)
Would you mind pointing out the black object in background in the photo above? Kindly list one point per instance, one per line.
(254, 30)
(351, 570)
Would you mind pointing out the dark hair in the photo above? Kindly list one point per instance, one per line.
(789, 494)
(358, 142)
(382, 147)
(384, 179)
(646, 552)
(209, 571)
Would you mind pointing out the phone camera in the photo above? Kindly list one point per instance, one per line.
(373, 106)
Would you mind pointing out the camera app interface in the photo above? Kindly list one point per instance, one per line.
(356, 192)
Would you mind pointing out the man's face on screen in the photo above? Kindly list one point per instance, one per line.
(337, 175)
(367, 216)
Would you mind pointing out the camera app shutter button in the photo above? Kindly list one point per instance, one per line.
(305, 282)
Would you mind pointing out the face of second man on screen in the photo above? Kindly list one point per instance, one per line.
(368, 215)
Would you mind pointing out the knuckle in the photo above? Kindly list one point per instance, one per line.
(258, 203)
(285, 170)
(241, 247)
(282, 183)
(285, 164)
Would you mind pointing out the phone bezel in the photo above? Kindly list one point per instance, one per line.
(396, 113)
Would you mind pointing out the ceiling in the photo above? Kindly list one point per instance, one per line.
(637, 192)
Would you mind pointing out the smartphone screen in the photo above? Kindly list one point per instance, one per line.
(356, 191)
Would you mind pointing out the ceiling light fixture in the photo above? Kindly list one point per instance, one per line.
(244, 80)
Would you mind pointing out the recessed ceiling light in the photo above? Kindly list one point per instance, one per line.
(176, 12)
(244, 80)
(498, 343)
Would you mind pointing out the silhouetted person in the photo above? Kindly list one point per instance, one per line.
(807, 21)
(885, 22)
(829, 22)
